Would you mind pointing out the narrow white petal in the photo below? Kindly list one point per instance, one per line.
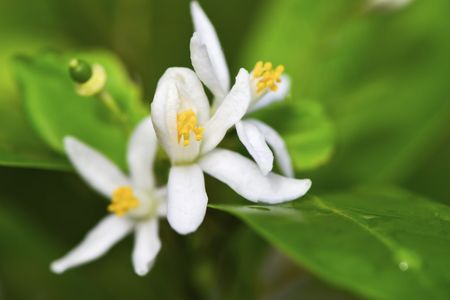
(161, 194)
(97, 170)
(141, 154)
(204, 68)
(388, 4)
(97, 242)
(230, 111)
(187, 199)
(256, 145)
(146, 246)
(245, 178)
(208, 37)
(278, 146)
(283, 90)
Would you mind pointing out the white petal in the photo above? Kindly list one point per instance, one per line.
(231, 111)
(96, 243)
(165, 99)
(278, 146)
(388, 4)
(283, 90)
(141, 154)
(208, 37)
(146, 246)
(245, 178)
(256, 145)
(161, 194)
(204, 68)
(187, 199)
(178, 90)
(97, 170)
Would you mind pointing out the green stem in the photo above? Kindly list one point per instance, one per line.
(110, 103)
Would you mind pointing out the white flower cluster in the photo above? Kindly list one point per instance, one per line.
(189, 130)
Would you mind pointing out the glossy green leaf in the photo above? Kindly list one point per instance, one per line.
(305, 128)
(383, 76)
(381, 243)
(57, 111)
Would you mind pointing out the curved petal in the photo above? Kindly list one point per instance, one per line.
(278, 146)
(245, 178)
(283, 90)
(208, 37)
(178, 90)
(256, 145)
(164, 100)
(231, 111)
(204, 68)
(97, 242)
(141, 154)
(97, 170)
(187, 199)
(146, 246)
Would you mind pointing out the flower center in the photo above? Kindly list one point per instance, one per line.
(267, 77)
(123, 200)
(187, 123)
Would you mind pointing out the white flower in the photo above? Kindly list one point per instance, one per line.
(189, 135)
(267, 86)
(136, 203)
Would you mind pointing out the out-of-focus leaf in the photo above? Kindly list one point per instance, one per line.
(57, 111)
(19, 144)
(381, 243)
(21, 30)
(383, 76)
(431, 178)
(307, 131)
(24, 269)
(45, 214)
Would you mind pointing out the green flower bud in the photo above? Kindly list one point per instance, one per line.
(80, 71)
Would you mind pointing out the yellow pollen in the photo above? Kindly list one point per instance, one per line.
(187, 122)
(267, 76)
(123, 200)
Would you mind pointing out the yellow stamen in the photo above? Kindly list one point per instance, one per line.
(267, 77)
(187, 122)
(123, 200)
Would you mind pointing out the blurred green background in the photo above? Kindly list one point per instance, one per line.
(380, 76)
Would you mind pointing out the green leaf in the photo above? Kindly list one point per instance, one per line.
(381, 243)
(43, 215)
(383, 76)
(305, 128)
(57, 111)
(25, 261)
(20, 146)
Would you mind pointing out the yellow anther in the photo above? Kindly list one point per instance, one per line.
(266, 76)
(123, 200)
(187, 123)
